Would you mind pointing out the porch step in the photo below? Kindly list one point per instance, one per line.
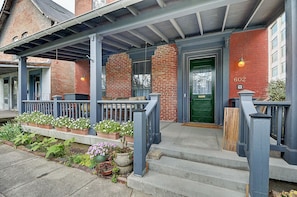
(162, 185)
(221, 158)
(228, 178)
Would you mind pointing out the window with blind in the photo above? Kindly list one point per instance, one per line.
(141, 78)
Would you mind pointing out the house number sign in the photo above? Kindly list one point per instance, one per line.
(239, 79)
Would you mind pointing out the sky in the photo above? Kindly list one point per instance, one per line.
(68, 4)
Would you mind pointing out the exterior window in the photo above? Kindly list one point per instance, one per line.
(103, 80)
(274, 43)
(141, 78)
(14, 39)
(274, 71)
(283, 68)
(274, 29)
(25, 34)
(283, 51)
(283, 19)
(274, 57)
(283, 35)
(98, 3)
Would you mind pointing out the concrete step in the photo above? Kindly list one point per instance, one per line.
(228, 178)
(162, 185)
(221, 158)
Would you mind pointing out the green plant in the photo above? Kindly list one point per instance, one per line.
(81, 123)
(82, 159)
(23, 118)
(277, 90)
(43, 145)
(127, 128)
(9, 131)
(45, 119)
(34, 117)
(24, 139)
(60, 149)
(115, 174)
(107, 126)
(62, 121)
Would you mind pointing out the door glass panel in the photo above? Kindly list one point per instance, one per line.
(14, 92)
(202, 81)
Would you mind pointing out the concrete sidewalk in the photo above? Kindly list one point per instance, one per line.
(24, 174)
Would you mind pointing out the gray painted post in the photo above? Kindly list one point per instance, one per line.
(139, 142)
(259, 140)
(95, 79)
(245, 95)
(290, 154)
(56, 106)
(157, 137)
(22, 78)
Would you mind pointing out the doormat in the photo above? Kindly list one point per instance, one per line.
(202, 125)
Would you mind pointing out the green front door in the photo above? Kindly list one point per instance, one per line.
(202, 80)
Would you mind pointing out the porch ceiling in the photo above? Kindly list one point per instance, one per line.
(128, 24)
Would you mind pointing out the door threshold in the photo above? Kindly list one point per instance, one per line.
(203, 125)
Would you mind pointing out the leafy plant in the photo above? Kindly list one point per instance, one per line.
(62, 121)
(81, 123)
(107, 126)
(9, 131)
(34, 117)
(43, 145)
(115, 174)
(24, 139)
(60, 149)
(23, 118)
(127, 128)
(82, 159)
(277, 90)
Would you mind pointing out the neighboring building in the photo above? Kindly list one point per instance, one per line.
(18, 20)
(277, 49)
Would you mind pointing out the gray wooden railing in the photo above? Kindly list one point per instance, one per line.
(254, 143)
(146, 132)
(277, 110)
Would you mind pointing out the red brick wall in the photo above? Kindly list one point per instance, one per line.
(62, 77)
(82, 68)
(164, 79)
(118, 75)
(253, 45)
(83, 6)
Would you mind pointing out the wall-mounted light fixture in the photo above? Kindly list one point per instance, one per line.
(83, 78)
(241, 63)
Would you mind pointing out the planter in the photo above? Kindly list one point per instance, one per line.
(123, 159)
(64, 129)
(129, 139)
(80, 131)
(113, 136)
(99, 158)
(125, 169)
(104, 168)
(45, 126)
(32, 124)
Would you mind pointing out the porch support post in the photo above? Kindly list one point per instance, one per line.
(290, 154)
(139, 142)
(157, 137)
(244, 95)
(95, 78)
(56, 110)
(259, 145)
(22, 80)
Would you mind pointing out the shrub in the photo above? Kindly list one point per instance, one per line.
(277, 90)
(9, 131)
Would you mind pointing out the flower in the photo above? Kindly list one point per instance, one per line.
(44, 119)
(101, 148)
(107, 126)
(62, 121)
(81, 123)
(127, 128)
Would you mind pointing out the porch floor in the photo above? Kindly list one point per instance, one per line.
(6, 115)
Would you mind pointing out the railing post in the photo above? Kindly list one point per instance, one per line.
(139, 142)
(245, 95)
(259, 140)
(56, 107)
(157, 137)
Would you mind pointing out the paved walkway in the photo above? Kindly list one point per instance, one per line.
(24, 174)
